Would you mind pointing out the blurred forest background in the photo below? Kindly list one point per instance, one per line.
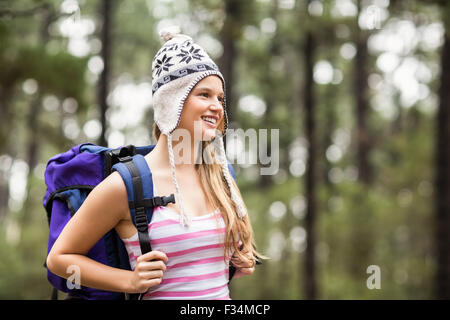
(358, 88)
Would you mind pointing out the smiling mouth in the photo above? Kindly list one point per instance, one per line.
(210, 121)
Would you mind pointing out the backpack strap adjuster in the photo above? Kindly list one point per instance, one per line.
(125, 159)
(141, 220)
(123, 155)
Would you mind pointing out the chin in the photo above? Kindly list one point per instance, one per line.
(208, 135)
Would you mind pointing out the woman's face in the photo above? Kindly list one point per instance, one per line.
(204, 108)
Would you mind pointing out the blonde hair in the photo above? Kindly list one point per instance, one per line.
(238, 232)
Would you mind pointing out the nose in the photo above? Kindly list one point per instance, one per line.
(217, 106)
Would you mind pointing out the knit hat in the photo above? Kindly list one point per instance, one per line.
(176, 68)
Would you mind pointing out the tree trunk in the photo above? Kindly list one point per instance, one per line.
(226, 68)
(269, 84)
(330, 98)
(6, 95)
(229, 34)
(33, 121)
(103, 89)
(442, 181)
(361, 233)
(362, 105)
(310, 281)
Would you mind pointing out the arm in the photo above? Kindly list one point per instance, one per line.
(103, 209)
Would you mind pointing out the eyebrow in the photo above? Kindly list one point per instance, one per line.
(208, 89)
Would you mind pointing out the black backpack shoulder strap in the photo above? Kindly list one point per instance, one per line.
(141, 220)
(139, 184)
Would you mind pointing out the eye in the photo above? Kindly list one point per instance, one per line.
(206, 94)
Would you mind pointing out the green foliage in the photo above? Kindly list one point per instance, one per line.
(22, 272)
(47, 72)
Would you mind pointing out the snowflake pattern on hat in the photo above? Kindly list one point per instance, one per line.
(163, 64)
(187, 56)
(178, 58)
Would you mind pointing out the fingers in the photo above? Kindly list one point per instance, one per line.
(150, 266)
(153, 255)
(237, 262)
(148, 275)
(149, 270)
(153, 260)
(244, 262)
(144, 285)
(243, 265)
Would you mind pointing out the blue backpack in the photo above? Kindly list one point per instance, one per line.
(71, 176)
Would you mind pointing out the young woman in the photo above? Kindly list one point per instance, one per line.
(193, 239)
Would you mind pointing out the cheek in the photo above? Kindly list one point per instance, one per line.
(195, 107)
(192, 111)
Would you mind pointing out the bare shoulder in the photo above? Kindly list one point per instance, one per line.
(111, 193)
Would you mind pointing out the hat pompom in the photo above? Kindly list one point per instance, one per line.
(168, 33)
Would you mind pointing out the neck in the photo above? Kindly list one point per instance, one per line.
(185, 153)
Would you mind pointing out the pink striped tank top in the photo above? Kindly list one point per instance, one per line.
(196, 268)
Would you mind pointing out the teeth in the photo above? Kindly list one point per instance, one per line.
(212, 120)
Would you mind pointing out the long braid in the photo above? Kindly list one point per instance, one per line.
(184, 218)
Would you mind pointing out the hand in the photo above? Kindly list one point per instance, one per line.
(149, 271)
(243, 268)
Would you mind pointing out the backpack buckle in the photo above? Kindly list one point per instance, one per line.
(157, 201)
(140, 219)
(124, 159)
(163, 201)
(125, 154)
(168, 199)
